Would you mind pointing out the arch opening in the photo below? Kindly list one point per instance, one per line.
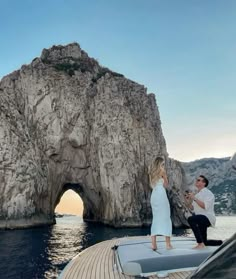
(69, 202)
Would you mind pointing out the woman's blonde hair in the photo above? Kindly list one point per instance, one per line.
(155, 170)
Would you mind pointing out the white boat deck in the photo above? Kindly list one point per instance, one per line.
(98, 262)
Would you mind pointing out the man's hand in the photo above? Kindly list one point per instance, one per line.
(191, 195)
(188, 200)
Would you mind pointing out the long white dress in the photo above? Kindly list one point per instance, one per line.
(161, 222)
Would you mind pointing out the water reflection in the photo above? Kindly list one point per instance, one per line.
(43, 252)
(22, 253)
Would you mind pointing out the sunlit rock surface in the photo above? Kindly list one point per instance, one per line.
(68, 123)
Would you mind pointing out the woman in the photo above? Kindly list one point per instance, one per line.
(161, 222)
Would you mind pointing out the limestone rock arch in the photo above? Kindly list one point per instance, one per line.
(67, 121)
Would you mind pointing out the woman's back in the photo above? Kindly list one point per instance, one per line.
(161, 223)
(159, 182)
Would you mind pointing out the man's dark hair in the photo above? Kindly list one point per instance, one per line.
(205, 180)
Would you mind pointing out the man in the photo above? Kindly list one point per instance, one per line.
(203, 217)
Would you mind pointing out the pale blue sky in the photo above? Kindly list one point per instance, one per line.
(183, 51)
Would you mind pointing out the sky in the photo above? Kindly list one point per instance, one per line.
(183, 51)
(70, 203)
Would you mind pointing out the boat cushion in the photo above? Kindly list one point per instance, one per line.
(136, 256)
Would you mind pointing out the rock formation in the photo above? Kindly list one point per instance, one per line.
(177, 185)
(68, 123)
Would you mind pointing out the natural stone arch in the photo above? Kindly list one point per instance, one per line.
(90, 208)
(67, 120)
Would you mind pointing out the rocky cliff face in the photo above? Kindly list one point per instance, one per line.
(222, 177)
(68, 123)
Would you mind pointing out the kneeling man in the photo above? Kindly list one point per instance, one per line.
(203, 217)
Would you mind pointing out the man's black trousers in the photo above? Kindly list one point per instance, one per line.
(199, 225)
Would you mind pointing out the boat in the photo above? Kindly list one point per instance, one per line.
(220, 264)
(132, 257)
(136, 258)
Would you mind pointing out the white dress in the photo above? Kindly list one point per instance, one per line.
(161, 222)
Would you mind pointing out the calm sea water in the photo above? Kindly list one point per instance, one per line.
(43, 252)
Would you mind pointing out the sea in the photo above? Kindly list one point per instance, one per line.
(39, 253)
